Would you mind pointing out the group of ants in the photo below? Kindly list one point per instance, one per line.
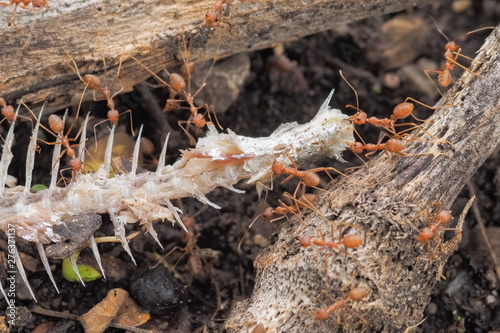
(180, 92)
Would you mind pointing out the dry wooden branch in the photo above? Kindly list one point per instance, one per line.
(33, 63)
(384, 201)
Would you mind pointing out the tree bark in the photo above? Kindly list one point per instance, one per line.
(33, 64)
(382, 201)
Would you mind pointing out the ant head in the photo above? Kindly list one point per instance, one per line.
(305, 241)
(359, 118)
(76, 164)
(451, 46)
(199, 120)
(277, 168)
(113, 116)
(211, 17)
(425, 235)
(356, 147)
(443, 216)
(321, 314)
(39, 3)
(268, 212)
(8, 112)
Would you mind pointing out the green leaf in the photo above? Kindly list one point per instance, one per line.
(38, 187)
(88, 273)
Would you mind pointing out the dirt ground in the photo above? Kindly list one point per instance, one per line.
(383, 58)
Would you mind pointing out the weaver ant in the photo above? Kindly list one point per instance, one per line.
(400, 111)
(308, 178)
(452, 52)
(95, 84)
(355, 295)
(395, 145)
(17, 3)
(306, 200)
(350, 241)
(435, 224)
(179, 86)
(213, 15)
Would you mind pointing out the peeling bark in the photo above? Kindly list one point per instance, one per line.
(383, 202)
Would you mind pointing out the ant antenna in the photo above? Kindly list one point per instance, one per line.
(437, 27)
(355, 92)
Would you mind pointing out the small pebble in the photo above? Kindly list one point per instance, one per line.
(431, 309)
(490, 299)
(260, 240)
(460, 6)
(158, 291)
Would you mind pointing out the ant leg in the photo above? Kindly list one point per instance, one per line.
(460, 65)
(215, 116)
(131, 123)
(192, 140)
(425, 105)
(419, 139)
(438, 71)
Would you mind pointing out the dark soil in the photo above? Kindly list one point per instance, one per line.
(383, 75)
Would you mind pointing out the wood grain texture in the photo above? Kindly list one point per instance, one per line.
(382, 205)
(34, 65)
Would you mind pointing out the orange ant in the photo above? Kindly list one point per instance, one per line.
(305, 200)
(452, 52)
(400, 111)
(355, 295)
(213, 15)
(56, 124)
(17, 3)
(435, 224)
(308, 178)
(178, 86)
(394, 145)
(95, 84)
(351, 241)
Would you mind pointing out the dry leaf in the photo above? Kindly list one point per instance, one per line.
(99, 317)
(130, 314)
(44, 328)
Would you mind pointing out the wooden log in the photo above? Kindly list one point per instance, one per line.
(33, 64)
(382, 202)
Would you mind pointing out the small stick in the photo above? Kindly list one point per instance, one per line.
(480, 223)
